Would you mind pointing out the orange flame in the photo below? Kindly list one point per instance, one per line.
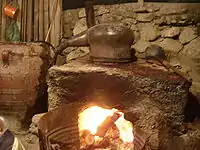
(91, 118)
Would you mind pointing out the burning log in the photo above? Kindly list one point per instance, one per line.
(108, 123)
(88, 137)
(89, 140)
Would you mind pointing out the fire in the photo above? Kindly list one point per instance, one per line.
(92, 118)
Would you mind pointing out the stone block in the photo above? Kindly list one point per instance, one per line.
(192, 49)
(187, 35)
(145, 17)
(171, 45)
(171, 32)
(149, 32)
(155, 96)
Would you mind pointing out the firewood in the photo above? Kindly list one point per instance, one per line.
(113, 133)
(102, 143)
(89, 139)
(108, 123)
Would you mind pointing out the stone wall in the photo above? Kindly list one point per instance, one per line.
(173, 26)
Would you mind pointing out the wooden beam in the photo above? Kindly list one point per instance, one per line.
(53, 9)
(29, 20)
(36, 20)
(19, 18)
(89, 10)
(41, 20)
(58, 23)
(24, 12)
(3, 19)
(0, 18)
(46, 18)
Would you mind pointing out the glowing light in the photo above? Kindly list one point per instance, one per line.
(91, 118)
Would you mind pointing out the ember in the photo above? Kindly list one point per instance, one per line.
(105, 128)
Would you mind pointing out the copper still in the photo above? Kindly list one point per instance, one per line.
(107, 42)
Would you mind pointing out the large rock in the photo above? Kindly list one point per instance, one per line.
(177, 19)
(149, 32)
(128, 22)
(98, 11)
(174, 61)
(136, 36)
(109, 18)
(171, 32)
(79, 52)
(124, 10)
(145, 17)
(134, 27)
(188, 34)
(81, 13)
(190, 67)
(140, 46)
(80, 26)
(69, 19)
(192, 49)
(170, 45)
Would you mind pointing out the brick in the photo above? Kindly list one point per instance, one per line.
(17, 82)
(11, 91)
(5, 97)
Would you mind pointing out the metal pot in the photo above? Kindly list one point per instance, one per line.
(107, 42)
(110, 43)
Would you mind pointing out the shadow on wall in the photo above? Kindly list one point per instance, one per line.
(80, 3)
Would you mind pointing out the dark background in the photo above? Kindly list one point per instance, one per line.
(72, 4)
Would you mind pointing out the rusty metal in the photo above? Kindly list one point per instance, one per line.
(107, 42)
(59, 128)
